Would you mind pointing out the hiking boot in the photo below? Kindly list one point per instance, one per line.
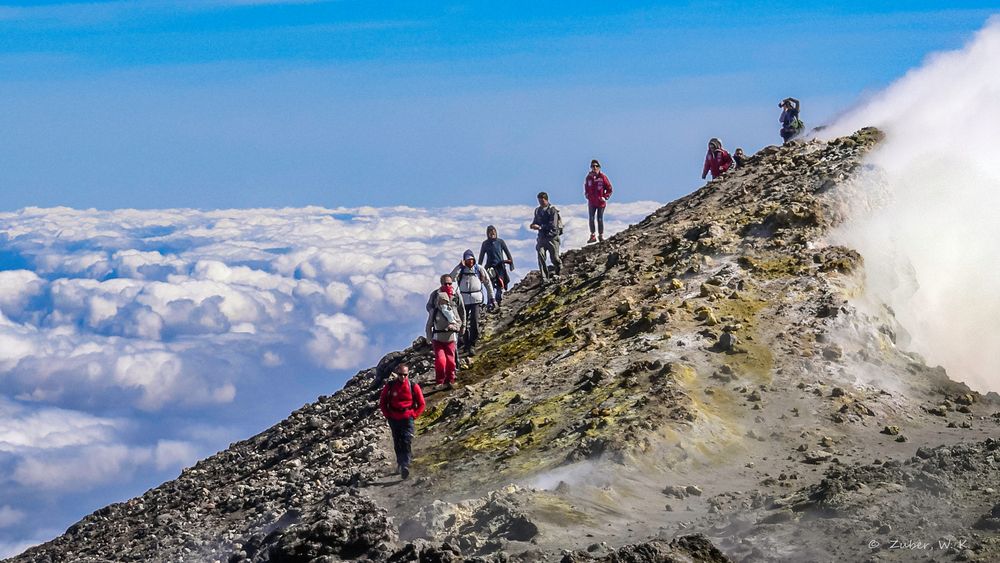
(470, 351)
(592, 238)
(600, 238)
(404, 472)
(449, 386)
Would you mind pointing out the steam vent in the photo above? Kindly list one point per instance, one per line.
(701, 387)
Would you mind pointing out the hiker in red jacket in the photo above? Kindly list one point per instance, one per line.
(401, 402)
(598, 189)
(717, 160)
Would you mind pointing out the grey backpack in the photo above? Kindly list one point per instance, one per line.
(445, 318)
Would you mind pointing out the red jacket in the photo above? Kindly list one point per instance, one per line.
(397, 403)
(597, 188)
(717, 163)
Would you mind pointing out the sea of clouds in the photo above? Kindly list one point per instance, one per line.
(133, 343)
(929, 229)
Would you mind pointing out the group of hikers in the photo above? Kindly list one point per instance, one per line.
(718, 160)
(455, 307)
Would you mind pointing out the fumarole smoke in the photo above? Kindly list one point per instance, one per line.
(930, 231)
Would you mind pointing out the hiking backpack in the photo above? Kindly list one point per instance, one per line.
(475, 285)
(441, 322)
(413, 397)
(557, 223)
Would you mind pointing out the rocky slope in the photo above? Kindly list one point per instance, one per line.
(698, 388)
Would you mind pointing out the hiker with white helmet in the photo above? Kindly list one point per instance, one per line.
(472, 283)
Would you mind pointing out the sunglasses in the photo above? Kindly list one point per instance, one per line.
(595, 166)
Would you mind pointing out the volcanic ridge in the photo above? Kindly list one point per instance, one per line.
(703, 386)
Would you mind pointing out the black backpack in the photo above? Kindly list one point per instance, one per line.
(413, 395)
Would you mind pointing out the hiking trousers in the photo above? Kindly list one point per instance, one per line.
(550, 247)
(502, 281)
(445, 357)
(599, 213)
(472, 320)
(402, 440)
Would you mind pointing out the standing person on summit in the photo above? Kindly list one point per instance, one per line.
(717, 160)
(791, 125)
(597, 188)
(548, 223)
(472, 281)
(401, 402)
(491, 255)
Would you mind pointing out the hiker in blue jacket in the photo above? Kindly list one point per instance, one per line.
(472, 284)
(491, 256)
(791, 125)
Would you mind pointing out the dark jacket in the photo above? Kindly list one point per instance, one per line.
(397, 402)
(789, 115)
(492, 251)
(545, 218)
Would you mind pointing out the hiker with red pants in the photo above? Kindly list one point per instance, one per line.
(402, 402)
(456, 300)
(445, 322)
(598, 190)
(717, 160)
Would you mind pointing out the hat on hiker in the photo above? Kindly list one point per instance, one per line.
(468, 254)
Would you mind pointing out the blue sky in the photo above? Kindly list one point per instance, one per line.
(245, 103)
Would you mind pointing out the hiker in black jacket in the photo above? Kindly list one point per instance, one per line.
(549, 227)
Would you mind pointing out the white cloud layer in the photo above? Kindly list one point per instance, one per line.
(929, 231)
(114, 325)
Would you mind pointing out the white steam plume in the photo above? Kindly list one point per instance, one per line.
(931, 234)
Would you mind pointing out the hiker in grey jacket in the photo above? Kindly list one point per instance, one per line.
(473, 284)
(445, 322)
(446, 281)
(546, 222)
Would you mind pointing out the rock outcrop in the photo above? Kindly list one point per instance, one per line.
(700, 387)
